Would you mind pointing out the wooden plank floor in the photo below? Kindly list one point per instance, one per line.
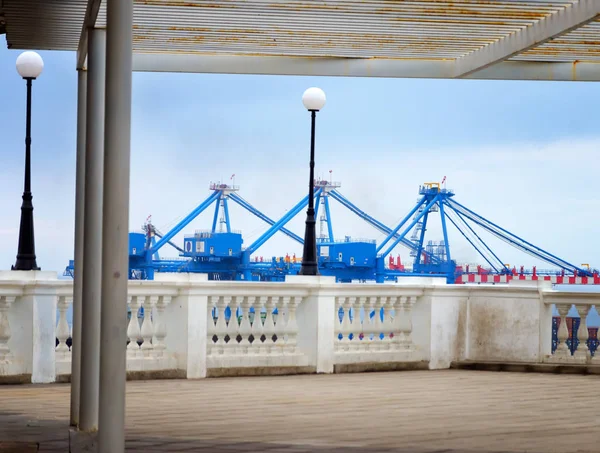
(417, 411)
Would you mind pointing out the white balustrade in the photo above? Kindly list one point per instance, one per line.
(308, 324)
(578, 354)
(374, 328)
(147, 349)
(245, 339)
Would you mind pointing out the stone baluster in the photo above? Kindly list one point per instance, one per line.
(378, 324)
(388, 322)
(257, 326)
(5, 334)
(221, 326)
(147, 330)
(269, 326)
(339, 301)
(211, 328)
(62, 328)
(280, 323)
(133, 329)
(160, 327)
(562, 350)
(369, 324)
(583, 352)
(357, 328)
(408, 341)
(232, 326)
(398, 324)
(245, 329)
(596, 356)
(292, 326)
(346, 324)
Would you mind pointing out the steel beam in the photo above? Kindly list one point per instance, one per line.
(79, 221)
(543, 71)
(92, 263)
(89, 21)
(357, 67)
(115, 226)
(546, 29)
(283, 65)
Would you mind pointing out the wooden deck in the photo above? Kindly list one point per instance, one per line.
(417, 411)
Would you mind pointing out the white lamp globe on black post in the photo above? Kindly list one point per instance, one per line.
(314, 100)
(29, 66)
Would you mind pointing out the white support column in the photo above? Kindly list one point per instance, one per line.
(115, 225)
(92, 263)
(79, 216)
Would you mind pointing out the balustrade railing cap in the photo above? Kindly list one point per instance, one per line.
(568, 297)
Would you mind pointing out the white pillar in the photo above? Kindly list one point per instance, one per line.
(43, 308)
(115, 225)
(92, 258)
(316, 317)
(187, 320)
(79, 216)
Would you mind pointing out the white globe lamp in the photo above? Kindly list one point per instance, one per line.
(30, 65)
(314, 99)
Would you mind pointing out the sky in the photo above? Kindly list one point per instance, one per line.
(522, 154)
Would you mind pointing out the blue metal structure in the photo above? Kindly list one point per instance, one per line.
(220, 253)
(437, 199)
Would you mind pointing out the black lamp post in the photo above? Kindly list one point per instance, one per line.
(29, 66)
(314, 100)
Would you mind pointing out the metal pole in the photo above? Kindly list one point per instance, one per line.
(309, 255)
(79, 216)
(115, 225)
(92, 264)
(26, 260)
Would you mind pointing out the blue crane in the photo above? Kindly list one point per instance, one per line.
(219, 253)
(434, 198)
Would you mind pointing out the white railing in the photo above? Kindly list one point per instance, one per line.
(260, 331)
(182, 325)
(583, 303)
(147, 330)
(376, 325)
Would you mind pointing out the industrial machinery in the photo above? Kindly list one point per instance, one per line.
(435, 198)
(220, 252)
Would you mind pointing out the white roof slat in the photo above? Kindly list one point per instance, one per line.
(420, 31)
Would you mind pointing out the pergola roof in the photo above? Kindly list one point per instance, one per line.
(507, 39)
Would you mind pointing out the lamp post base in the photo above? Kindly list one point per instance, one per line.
(25, 264)
(309, 269)
(310, 265)
(26, 259)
